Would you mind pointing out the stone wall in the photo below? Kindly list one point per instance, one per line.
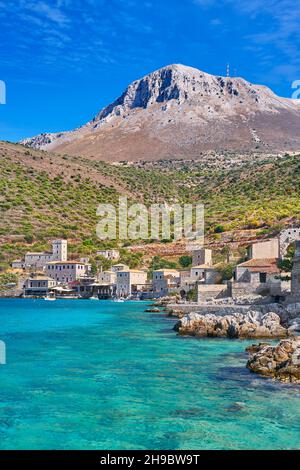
(241, 289)
(214, 291)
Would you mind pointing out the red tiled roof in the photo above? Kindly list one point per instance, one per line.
(261, 265)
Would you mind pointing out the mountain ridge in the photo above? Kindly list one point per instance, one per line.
(179, 111)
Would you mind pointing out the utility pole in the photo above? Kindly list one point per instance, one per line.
(228, 71)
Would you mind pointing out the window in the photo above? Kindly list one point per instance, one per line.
(262, 278)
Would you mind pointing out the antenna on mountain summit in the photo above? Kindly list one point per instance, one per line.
(228, 71)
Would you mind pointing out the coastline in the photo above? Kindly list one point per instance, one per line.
(252, 321)
(108, 375)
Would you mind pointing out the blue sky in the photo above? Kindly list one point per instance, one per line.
(63, 60)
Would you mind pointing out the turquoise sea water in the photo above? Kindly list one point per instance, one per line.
(104, 375)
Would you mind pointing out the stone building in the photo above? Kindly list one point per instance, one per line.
(257, 271)
(37, 260)
(107, 277)
(165, 281)
(202, 257)
(259, 274)
(66, 271)
(109, 254)
(38, 285)
(130, 282)
(287, 237)
(265, 249)
(295, 283)
(119, 267)
(59, 250)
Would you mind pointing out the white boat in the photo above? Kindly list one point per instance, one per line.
(94, 298)
(118, 300)
(48, 297)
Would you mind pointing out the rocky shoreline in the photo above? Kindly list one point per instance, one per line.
(246, 320)
(245, 326)
(281, 362)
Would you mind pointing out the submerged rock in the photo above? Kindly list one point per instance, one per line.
(281, 362)
(252, 324)
(236, 407)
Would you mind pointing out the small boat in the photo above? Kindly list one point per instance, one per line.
(94, 298)
(118, 300)
(49, 297)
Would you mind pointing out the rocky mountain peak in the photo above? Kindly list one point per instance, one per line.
(202, 111)
(178, 84)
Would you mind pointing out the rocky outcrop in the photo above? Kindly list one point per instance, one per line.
(294, 325)
(180, 112)
(252, 324)
(168, 299)
(178, 313)
(281, 362)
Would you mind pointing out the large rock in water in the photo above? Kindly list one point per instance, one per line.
(281, 362)
(249, 325)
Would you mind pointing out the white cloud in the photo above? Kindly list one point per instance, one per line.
(50, 12)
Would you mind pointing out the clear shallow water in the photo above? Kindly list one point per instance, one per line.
(104, 375)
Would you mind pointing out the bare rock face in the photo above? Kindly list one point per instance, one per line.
(250, 325)
(179, 112)
(281, 362)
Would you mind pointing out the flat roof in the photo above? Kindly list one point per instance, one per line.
(30, 253)
(40, 277)
(166, 270)
(202, 266)
(133, 271)
(67, 262)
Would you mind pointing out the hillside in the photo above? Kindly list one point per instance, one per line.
(180, 112)
(45, 195)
